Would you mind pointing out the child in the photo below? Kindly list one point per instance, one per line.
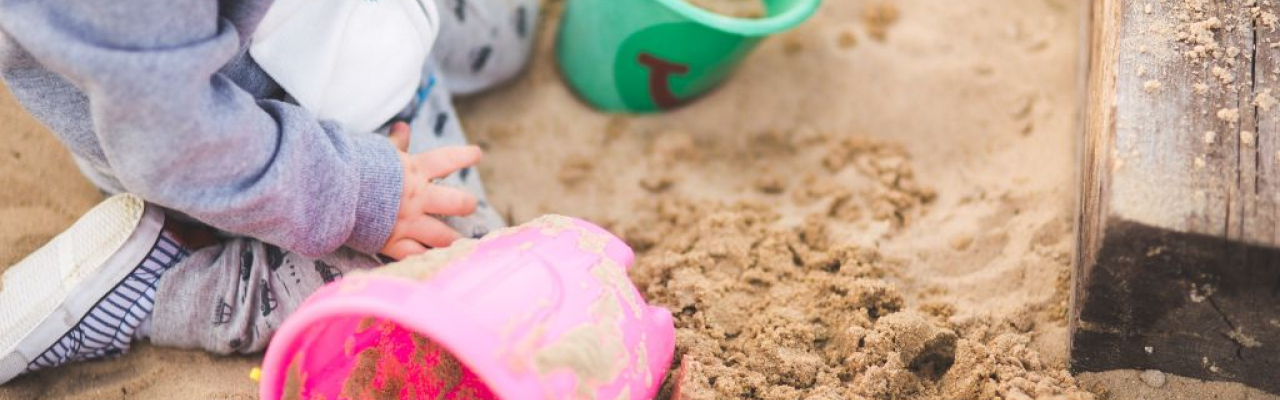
(247, 187)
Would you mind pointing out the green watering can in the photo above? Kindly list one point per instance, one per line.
(654, 55)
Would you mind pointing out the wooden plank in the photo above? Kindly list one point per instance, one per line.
(1177, 265)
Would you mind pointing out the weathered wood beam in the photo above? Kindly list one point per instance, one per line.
(1178, 266)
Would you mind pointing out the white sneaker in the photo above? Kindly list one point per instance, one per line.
(84, 294)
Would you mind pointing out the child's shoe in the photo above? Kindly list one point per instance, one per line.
(87, 293)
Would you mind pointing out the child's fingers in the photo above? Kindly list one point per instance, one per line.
(444, 200)
(443, 161)
(400, 135)
(431, 232)
(403, 248)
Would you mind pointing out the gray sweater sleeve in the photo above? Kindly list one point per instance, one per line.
(181, 135)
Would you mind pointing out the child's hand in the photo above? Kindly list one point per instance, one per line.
(416, 228)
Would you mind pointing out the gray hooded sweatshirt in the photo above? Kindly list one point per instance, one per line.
(160, 98)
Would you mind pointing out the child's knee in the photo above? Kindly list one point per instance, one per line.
(230, 297)
(486, 42)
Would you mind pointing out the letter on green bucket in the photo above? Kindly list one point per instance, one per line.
(653, 55)
(652, 74)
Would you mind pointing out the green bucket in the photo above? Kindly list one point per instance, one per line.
(653, 55)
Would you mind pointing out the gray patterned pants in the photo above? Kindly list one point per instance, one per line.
(231, 296)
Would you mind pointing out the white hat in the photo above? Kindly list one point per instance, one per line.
(357, 62)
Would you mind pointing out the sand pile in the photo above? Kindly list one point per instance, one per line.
(770, 312)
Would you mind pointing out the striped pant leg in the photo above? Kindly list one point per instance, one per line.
(112, 323)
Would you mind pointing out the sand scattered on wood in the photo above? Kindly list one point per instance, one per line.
(1264, 100)
(1229, 115)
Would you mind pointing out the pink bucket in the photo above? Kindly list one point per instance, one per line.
(541, 311)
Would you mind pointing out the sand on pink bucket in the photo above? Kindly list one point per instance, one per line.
(595, 352)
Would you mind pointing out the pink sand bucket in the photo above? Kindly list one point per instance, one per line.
(541, 311)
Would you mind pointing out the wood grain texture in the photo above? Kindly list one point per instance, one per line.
(1163, 173)
(1177, 266)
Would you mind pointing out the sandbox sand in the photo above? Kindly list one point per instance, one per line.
(878, 205)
